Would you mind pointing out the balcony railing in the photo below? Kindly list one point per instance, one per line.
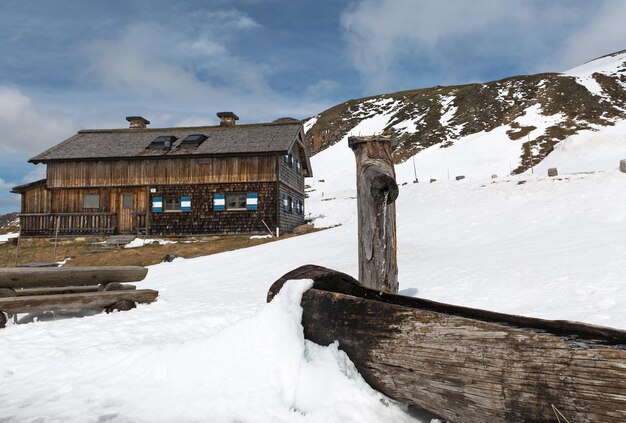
(67, 223)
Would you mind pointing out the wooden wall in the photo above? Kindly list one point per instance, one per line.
(292, 184)
(202, 219)
(289, 220)
(148, 172)
(36, 200)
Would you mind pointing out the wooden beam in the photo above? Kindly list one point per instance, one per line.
(467, 365)
(376, 195)
(69, 276)
(91, 300)
(72, 289)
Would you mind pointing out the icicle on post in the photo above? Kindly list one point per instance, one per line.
(376, 195)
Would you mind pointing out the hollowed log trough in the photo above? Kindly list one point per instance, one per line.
(467, 365)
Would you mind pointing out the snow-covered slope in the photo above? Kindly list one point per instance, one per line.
(497, 127)
(211, 350)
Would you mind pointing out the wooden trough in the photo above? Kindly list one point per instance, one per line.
(33, 290)
(467, 365)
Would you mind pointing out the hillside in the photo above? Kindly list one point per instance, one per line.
(9, 223)
(526, 115)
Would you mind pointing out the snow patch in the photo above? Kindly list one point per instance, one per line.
(309, 123)
(5, 237)
(140, 242)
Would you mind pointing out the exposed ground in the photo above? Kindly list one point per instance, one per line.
(81, 253)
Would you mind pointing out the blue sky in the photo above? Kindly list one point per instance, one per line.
(67, 65)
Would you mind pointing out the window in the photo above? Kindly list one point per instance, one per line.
(127, 201)
(162, 142)
(91, 201)
(193, 141)
(290, 204)
(236, 201)
(298, 166)
(171, 204)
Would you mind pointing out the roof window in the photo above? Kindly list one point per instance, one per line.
(163, 142)
(193, 141)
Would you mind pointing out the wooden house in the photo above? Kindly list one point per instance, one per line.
(224, 179)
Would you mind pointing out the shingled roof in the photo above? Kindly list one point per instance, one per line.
(106, 144)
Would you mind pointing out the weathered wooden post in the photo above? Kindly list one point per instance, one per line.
(376, 194)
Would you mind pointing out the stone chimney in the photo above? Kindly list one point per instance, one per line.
(137, 122)
(227, 118)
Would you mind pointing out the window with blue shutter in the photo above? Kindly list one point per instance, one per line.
(252, 201)
(185, 203)
(219, 202)
(157, 204)
(285, 203)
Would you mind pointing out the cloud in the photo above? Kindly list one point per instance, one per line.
(604, 34)
(8, 202)
(27, 129)
(178, 73)
(322, 88)
(392, 42)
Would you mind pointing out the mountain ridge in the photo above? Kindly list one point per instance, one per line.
(536, 111)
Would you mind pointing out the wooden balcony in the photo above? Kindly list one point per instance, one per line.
(68, 223)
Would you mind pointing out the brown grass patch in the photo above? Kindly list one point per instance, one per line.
(34, 250)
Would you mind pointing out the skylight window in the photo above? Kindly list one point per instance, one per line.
(162, 142)
(193, 140)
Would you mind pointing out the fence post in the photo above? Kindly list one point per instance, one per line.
(377, 191)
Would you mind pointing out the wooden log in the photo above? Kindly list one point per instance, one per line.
(7, 292)
(376, 194)
(15, 277)
(89, 300)
(123, 305)
(467, 365)
(71, 289)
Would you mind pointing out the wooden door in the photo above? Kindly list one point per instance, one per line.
(127, 206)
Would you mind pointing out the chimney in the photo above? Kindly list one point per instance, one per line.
(137, 122)
(227, 118)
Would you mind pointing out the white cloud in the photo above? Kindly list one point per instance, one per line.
(182, 73)
(39, 172)
(8, 202)
(604, 34)
(322, 88)
(453, 39)
(27, 129)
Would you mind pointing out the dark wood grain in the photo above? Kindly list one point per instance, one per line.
(91, 300)
(464, 364)
(19, 277)
(376, 194)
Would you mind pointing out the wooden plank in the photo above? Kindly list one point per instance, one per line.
(90, 300)
(16, 277)
(468, 365)
(67, 290)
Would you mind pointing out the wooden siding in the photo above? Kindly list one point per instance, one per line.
(36, 200)
(289, 220)
(202, 219)
(108, 173)
(71, 200)
(289, 174)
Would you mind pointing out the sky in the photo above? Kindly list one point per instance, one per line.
(67, 65)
